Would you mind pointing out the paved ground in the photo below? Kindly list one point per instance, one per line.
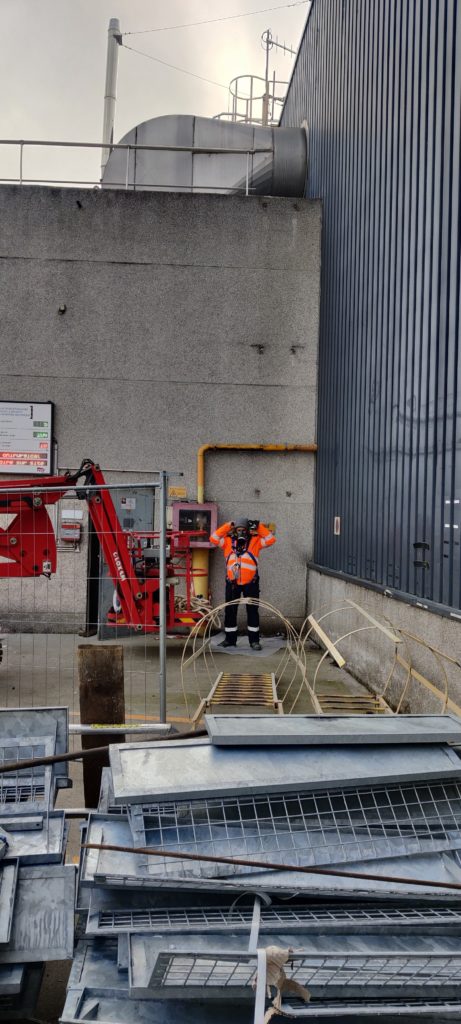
(42, 669)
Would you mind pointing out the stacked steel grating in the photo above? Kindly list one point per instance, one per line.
(37, 890)
(186, 939)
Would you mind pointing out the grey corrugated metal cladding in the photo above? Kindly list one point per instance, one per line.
(379, 85)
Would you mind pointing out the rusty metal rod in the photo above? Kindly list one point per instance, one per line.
(245, 863)
(35, 762)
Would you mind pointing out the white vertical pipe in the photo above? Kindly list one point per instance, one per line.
(110, 94)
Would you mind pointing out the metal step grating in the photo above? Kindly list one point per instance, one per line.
(244, 688)
(326, 917)
(352, 704)
(376, 971)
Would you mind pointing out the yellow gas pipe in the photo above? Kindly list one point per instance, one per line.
(200, 556)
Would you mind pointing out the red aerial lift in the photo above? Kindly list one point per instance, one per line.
(29, 544)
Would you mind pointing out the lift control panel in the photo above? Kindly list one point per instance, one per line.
(191, 515)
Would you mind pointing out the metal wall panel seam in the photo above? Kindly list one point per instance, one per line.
(367, 501)
(338, 325)
(401, 490)
(332, 46)
(451, 325)
(416, 581)
(348, 442)
(385, 130)
(427, 291)
(444, 97)
(456, 469)
(434, 341)
(396, 349)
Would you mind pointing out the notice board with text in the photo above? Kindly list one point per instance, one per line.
(26, 437)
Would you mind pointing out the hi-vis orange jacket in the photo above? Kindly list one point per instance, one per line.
(242, 568)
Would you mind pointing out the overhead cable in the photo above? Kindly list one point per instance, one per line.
(213, 21)
(174, 67)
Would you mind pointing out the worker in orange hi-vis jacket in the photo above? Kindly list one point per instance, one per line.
(241, 543)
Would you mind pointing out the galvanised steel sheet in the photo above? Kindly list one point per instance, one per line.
(8, 886)
(43, 845)
(325, 730)
(134, 872)
(379, 85)
(43, 920)
(98, 991)
(123, 1010)
(144, 773)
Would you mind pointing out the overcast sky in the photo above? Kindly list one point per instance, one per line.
(52, 70)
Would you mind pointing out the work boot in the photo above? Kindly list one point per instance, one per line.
(256, 647)
(228, 643)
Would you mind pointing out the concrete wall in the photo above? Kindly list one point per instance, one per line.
(370, 656)
(189, 319)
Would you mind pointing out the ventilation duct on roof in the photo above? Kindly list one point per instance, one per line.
(262, 161)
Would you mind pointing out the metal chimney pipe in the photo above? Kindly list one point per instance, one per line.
(110, 95)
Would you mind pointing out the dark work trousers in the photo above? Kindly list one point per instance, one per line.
(234, 591)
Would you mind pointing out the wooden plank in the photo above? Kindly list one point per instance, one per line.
(428, 685)
(337, 657)
(384, 629)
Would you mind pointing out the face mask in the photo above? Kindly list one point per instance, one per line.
(241, 541)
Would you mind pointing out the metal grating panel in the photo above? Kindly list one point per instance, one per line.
(327, 918)
(377, 972)
(320, 828)
(188, 769)
(31, 786)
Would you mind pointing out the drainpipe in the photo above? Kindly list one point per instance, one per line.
(200, 557)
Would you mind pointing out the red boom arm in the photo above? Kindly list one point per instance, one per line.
(28, 542)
